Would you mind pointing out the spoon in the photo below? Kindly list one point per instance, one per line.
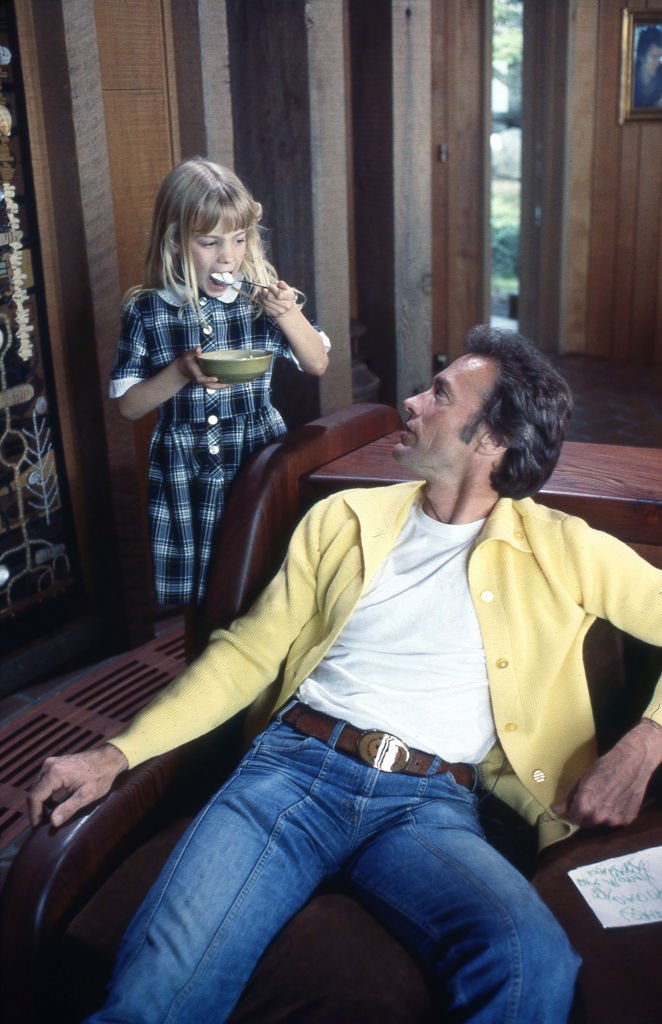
(227, 278)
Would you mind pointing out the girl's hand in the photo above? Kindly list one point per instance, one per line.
(278, 300)
(189, 367)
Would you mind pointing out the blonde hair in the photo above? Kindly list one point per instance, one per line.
(193, 198)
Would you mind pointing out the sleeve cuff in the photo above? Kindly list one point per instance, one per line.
(119, 387)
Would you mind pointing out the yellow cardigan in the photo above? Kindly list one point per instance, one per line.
(538, 579)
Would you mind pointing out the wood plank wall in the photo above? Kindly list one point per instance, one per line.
(461, 74)
(611, 297)
(544, 76)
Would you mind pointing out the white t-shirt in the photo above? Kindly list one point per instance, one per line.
(410, 660)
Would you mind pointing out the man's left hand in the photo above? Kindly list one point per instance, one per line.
(612, 791)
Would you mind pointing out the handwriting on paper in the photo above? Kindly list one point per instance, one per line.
(623, 890)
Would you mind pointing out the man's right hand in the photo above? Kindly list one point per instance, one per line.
(74, 781)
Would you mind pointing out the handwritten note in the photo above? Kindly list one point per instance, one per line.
(623, 890)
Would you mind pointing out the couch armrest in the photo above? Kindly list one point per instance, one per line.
(618, 981)
(55, 871)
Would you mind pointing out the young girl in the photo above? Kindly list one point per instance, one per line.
(204, 242)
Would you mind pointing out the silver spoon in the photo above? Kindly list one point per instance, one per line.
(227, 278)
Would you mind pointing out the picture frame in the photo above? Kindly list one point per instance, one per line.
(641, 65)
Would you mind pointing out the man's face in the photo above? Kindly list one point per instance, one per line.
(433, 435)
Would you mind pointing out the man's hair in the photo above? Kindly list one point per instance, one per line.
(527, 410)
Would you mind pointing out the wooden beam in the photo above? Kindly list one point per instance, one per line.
(325, 24)
(412, 147)
(202, 71)
(290, 139)
(84, 294)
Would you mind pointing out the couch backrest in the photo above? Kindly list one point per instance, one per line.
(265, 503)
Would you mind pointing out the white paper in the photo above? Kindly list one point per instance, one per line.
(623, 890)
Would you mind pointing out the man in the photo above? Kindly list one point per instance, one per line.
(430, 640)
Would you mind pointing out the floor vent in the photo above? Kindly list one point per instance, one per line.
(79, 717)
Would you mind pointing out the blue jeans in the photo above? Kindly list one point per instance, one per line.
(294, 813)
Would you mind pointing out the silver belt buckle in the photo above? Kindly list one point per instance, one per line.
(383, 751)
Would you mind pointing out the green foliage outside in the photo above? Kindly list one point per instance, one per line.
(505, 241)
(507, 31)
(505, 200)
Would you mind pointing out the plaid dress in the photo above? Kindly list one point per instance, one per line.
(203, 435)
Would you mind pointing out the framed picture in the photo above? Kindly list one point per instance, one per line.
(641, 66)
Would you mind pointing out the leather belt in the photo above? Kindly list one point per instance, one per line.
(372, 746)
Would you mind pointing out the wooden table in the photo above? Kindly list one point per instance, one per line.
(615, 488)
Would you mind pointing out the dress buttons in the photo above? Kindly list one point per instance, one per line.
(511, 726)
(538, 775)
(210, 391)
(502, 663)
(214, 449)
(207, 330)
(212, 420)
(203, 301)
(487, 596)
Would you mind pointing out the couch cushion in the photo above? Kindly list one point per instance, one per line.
(618, 983)
(333, 964)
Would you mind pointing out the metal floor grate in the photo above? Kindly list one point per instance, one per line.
(79, 717)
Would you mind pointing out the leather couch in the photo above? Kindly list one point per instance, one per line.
(71, 892)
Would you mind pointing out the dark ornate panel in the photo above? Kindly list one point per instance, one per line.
(38, 575)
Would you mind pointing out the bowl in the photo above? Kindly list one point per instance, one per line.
(235, 366)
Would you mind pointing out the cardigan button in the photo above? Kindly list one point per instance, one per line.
(487, 596)
(538, 775)
(502, 663)
(511, 726)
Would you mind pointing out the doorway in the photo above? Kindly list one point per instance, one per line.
(530, 58)
(506, 161)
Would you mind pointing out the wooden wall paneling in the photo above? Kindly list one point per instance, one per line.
(577, 208)
(440, 113)
(645, 326)
(83, 295)
(372, 144)
(544, 79)
(135, 172)
(349, 153)
(138, 80)
(612, 208)
(658, 315)
(556, 40)
(625, 241)
(327, 50)
(412, 173)
(606, 185)
(466, 179)
(202, 70)
(655, 349)
(138, 118)
(99, 203)
(274, 136)
(531, 202)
